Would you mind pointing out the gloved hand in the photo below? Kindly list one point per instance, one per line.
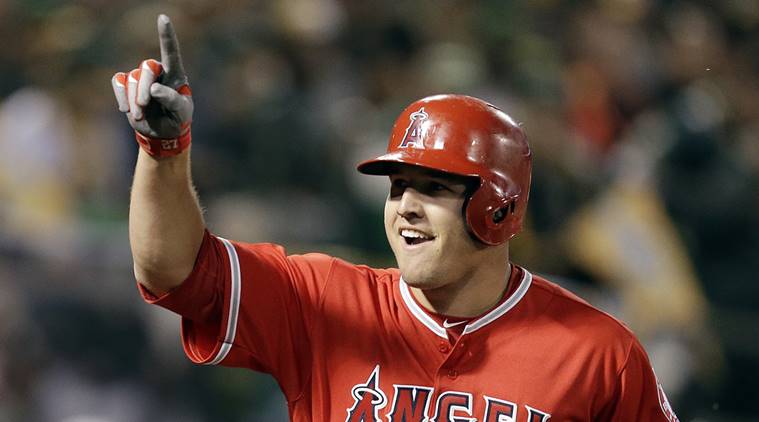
(157, 98)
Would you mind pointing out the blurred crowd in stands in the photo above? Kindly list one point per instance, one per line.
(643, 117)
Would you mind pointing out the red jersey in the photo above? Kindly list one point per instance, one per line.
(349, 343)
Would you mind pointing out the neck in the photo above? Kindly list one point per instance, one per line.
(471, 296)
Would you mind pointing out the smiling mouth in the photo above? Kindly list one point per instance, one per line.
(415, 237)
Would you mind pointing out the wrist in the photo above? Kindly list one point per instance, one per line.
(161, 148)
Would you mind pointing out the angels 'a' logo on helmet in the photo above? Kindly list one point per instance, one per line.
(413, 136)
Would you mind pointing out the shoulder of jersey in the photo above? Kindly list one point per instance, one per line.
(577, 313)
(347, 271)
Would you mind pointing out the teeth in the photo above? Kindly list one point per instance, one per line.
(414, 234)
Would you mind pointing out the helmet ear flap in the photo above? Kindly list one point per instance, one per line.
(491, 215)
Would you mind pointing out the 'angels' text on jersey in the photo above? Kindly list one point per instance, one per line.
(413, 403)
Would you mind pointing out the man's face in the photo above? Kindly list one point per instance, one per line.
(426, 229)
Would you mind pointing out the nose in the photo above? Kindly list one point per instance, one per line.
(410, 205)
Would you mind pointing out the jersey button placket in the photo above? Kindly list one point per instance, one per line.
(458, 350)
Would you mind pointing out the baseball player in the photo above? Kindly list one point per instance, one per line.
(456, 333)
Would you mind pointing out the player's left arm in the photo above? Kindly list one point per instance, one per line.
(638, 394)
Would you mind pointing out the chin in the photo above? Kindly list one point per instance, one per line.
(418, 271)
(419, 279)
(411, 277)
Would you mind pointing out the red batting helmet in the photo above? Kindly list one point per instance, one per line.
(466, 136)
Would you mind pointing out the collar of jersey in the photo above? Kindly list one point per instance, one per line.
(419, 313)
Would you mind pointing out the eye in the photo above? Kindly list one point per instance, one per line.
(397, 186)
(438, 187)
(398, 183)
(443, 188)
(432, 187)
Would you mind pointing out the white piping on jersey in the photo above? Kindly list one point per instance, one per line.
(506, 306)
(234, 303)
(417, 311)
(500, 310)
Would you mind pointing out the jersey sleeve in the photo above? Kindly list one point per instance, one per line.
(250, 305)
(638, 395)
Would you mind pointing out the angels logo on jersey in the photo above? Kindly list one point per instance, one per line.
(413, 135)
(413, 403)
(368, 399)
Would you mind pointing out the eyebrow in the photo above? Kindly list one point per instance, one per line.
(450, 180)
(433, 173)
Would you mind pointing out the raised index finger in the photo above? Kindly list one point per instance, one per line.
(170, 57)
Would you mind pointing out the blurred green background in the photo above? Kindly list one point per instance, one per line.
(643, 116)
